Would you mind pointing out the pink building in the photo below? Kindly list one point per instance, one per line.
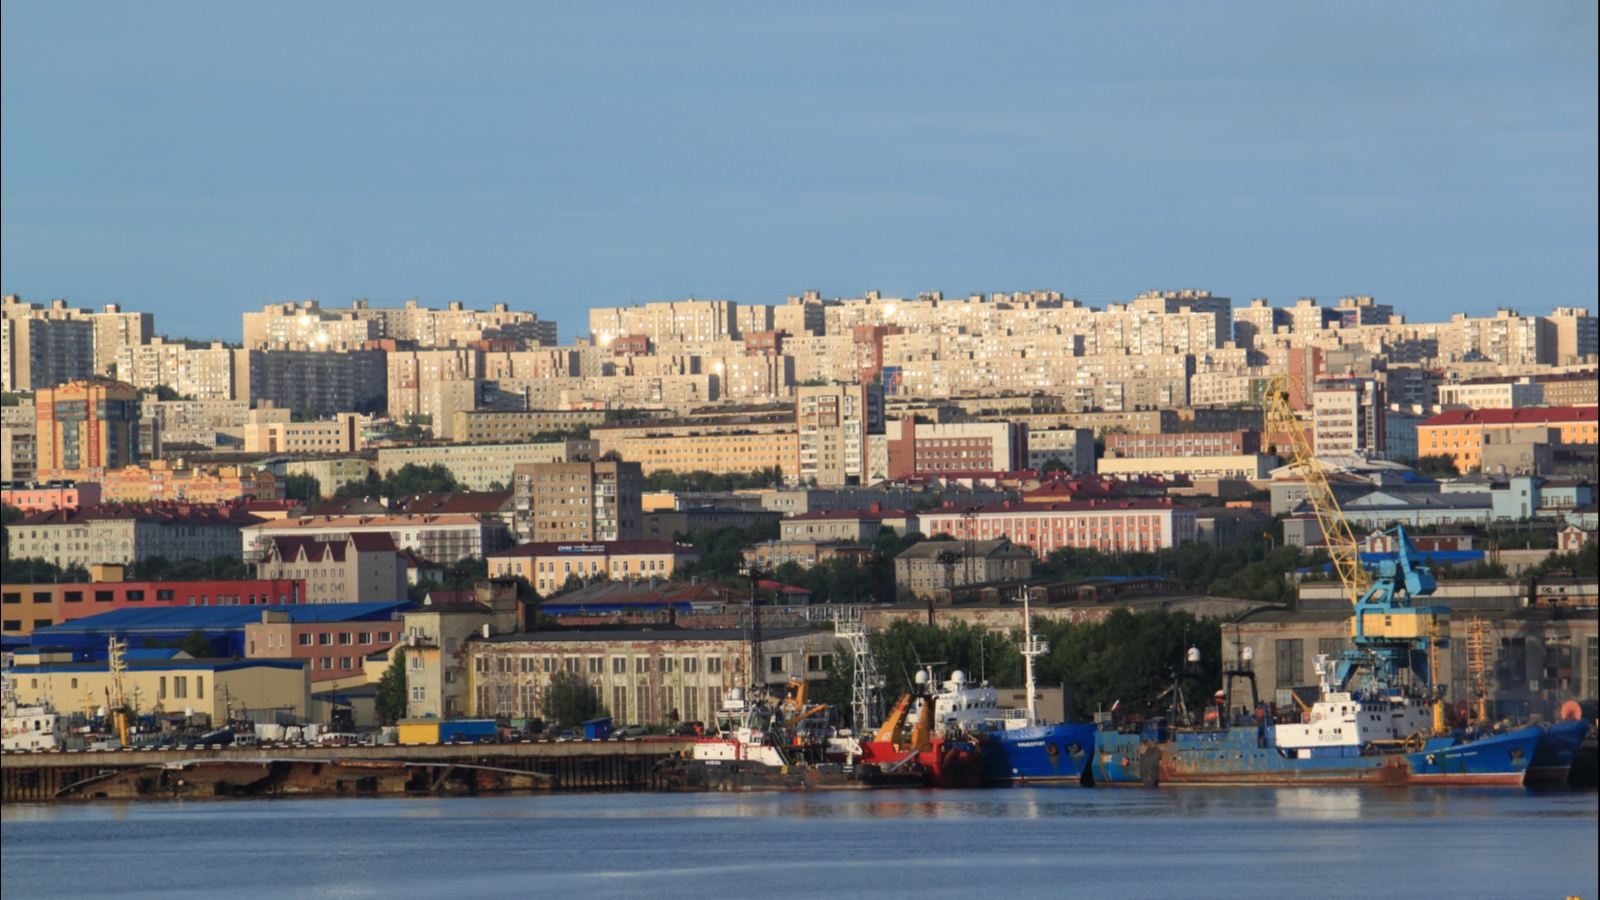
(52, 495)
(1112, 525)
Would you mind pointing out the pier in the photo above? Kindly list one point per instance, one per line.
(305, 769)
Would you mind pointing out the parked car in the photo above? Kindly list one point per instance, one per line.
(566, 735)
(687, 729)
(629, 731)
(339, 739)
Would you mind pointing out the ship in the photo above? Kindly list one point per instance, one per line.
(751, 749)
(1558, 746)
(913, 736)
(1378, 717)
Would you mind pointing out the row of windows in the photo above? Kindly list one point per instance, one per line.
(344, 638)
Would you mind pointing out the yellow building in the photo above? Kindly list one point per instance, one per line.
(172, 685)
(86, 427)
(717, 453)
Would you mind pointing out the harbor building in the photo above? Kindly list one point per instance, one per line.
(30, 606)
(548, 564)
(1110, 525)
(213, 686)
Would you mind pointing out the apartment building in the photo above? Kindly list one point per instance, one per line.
(687, 320)
(921, 448)
(363, 567)
(479, 467)
(1577, 335)
(518, 426)
(339, 434)
(923, 568)
(1249, 466)
(332, 641)
(1106, 525)
(93, 535)
(346, 381)
(171, 481)
(114, 330)
(1183, 444)
(1103, 422)
(1073, 447)
(835, 422)
(1458, 433)
(1498, 393)
(548, 564)
(203, 373)
(31, 498)
(38, 349)
(19, 450)
(1581, 388)
(1348, 417)
(445, 537)
(86, 428)
(578, 501)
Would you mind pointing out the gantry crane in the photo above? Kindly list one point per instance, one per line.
(1388, 634)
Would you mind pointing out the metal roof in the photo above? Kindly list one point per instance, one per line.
(220, 617)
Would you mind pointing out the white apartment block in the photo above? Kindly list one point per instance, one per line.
(835, 422)
(201, 373)
(1073, 446)
(1498, 395)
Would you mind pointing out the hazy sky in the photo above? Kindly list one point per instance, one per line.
(197, 160)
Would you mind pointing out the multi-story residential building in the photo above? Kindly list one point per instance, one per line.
(805, 553)
(19, 449)
(834, 525)
(520, 426)
(435, 633)
(1413, 385)
(307, 326)
(1357, 311)
(835, 422)
(1570, 388)
(1072, 447)
(331, 472)
(579, 501)
(114, 330)
(1260, 320)
(1107, 525)
(86, 428)
(1492, 393)
(1185, 444)
(548, 564)
(346, 381)
(338, 434)
(1348, 417)
(1577, 335)
(31, 498)
(1148, 421)
(923, 568)
(171, 481)
(124, 534)
(41, 347)
(333, 641)
(668, 524)
(920, 448)
(363, 567)
(479, 467)
(1458, 433)
(680, 321)
(1400, 430)
(200, 373)
(643, 677)
(447, 537)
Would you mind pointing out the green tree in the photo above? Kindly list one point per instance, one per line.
(26, 570)
(389, 704)
(570, 700)
(1055, 464)
(195, 643)
(1436, 466)
(302, 486)
(9, 514)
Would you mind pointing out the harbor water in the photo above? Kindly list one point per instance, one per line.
(1186, 843)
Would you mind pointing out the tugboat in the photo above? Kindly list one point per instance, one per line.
(1368, 731)
(948, 759)
(752, 750)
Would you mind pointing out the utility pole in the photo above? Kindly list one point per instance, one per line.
(753, 571)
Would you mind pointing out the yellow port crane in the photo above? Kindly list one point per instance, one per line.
(1283, 425)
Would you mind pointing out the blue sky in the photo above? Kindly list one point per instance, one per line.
(197, 160)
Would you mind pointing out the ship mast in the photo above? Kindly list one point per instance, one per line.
(1031, 647)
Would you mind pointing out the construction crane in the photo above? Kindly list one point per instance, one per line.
(1388, 632)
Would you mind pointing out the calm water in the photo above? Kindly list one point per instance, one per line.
(1185, 843)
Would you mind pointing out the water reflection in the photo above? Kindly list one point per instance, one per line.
(1319, 803)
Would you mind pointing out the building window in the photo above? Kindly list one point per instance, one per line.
(619, 703)
(384, 637)
(325, 639)
(645, 713)
(641, 664)
(417, 662)
(691, 665)
(305, 639)
(180, 687)
(819, 662)
(713, 665)
(775, 665)
(1291, 663)
(344, 662)
(364, 638)
(573, 664)
(345, 638)
(597, 665)
(419, 693)
(619, 665)
(325, 662)
(1330, 647)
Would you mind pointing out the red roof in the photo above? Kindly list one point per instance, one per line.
(1524, 416)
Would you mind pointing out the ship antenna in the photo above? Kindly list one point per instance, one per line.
(1031, 647)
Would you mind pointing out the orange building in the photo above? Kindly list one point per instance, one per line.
(85, 428)
(1458, 433)
(166, 481)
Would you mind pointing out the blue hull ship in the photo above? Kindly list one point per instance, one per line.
(1037, 754)
(1552, 758)
(1248, 756)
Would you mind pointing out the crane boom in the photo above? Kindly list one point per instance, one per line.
(1282, 424)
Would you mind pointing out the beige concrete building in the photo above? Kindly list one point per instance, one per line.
(200, 373)
(1249, 466)
(346, 381)
(578, 501)
(688, 320)
(923, 568)
(127, 534)
(518, 426)
(86, 428)
(477, 466)
(364, 567)
(207, 686)
(445, 538)
(436, 666)
(835, 422)
(643, 677)
(548, 564)
(1507, 394)
(41, 347)
(337, 435)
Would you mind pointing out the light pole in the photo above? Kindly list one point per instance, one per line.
(753, 570)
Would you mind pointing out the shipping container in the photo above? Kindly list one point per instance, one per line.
(419, 731)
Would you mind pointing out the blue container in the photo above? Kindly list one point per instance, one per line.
(597, 729)
(473, 730)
